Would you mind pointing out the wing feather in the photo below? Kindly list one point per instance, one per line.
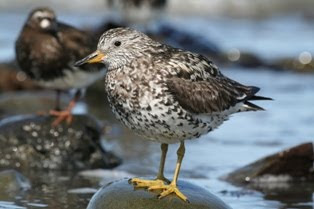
(203, 88)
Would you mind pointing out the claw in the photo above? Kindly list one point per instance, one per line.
(159, 184)
(172, 188)
(61, 116)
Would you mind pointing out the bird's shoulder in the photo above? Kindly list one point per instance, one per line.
(185, 64)
(198, 86)
(75, 41)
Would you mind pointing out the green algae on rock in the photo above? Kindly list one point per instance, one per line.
(30, 142)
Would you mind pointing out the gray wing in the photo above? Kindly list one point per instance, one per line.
(200, 87)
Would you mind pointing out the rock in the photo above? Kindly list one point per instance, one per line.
(29, 142)
(243, 59)
(294, 164)
(293, 64)
(287, 176)
(121, 195)
(12, 181)
(11, 79)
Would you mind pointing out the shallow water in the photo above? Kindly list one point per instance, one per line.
(246, 137)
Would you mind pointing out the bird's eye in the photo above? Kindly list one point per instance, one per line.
(117, 43)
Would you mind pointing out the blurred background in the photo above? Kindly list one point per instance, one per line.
(266, 43)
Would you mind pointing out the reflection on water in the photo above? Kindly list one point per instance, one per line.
(246, 137)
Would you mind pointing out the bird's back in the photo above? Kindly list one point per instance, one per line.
(76, 42)
(200, 88)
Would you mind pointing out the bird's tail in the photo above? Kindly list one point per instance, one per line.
(249, 106)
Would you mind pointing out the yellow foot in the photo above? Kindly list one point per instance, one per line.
(142, 183)
(169, 189)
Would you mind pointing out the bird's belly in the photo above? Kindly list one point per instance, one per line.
(164, 124)
(73, 79)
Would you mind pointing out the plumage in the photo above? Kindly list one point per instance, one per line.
(46, 50)
(166, 94)
(47, 55)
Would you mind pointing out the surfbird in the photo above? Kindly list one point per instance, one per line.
(46, 50)
(166, 94)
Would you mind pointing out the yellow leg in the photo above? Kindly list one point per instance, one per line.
(160, 180)
(172, 187)
(160, 175)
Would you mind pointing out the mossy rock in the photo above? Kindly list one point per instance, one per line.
(293, 164)
(29, 142)
(122, 195)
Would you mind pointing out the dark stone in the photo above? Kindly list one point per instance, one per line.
(294, 164)
(12, 181)
(30, 142)
(246, 60)
(121, 195)
(292, 64)
(11, 79)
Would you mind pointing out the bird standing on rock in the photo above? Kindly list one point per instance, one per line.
(165, 94)
(46, 51)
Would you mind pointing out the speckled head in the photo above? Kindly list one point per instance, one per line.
(43, 19)
(120, 46)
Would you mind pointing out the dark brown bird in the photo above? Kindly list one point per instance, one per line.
(46, 50)
(166, 94)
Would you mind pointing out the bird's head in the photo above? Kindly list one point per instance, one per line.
(42, 19)
(118, 47)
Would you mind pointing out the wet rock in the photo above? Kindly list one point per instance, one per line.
(243, 59)
(12, 181)
(29, 142)
(292, 64)
(294, 164)
(121, 194)
(11, 79)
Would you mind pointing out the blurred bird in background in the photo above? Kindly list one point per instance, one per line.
(46, 50)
